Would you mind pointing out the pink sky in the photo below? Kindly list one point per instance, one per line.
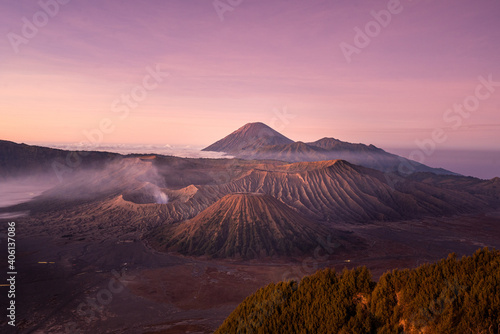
(264, 58)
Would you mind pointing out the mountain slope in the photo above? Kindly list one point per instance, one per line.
(358, 154)
(274, 146)
(21, 159)
(330, 144)
(248, 137)
(243, 225)
(339, 191)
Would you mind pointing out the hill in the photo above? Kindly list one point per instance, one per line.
(21, 160)
(243, 225)
(451, 296)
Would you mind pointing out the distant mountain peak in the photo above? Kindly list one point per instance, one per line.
(249, 136)
(328, 139)
(257, 129)
(255, 124)
(259, 141)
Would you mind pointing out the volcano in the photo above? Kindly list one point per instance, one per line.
(243, 225)
(257, 141)
(250, 137)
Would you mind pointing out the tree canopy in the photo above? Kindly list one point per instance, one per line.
(450, 296)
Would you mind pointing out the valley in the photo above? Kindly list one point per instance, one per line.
(162, 244)
(169, 293)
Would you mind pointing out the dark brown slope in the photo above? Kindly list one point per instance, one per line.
(21, 159)
(249, 137)
(243, 226)
(489, 189)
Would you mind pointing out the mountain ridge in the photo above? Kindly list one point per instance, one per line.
(244, 146)
(18, 159)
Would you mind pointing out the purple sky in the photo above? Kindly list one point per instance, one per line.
(265, 59)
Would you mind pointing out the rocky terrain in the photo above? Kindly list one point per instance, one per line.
(243, 225)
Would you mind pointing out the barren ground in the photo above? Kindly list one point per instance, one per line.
(167, 293)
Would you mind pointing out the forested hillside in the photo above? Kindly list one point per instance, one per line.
(451, 296)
